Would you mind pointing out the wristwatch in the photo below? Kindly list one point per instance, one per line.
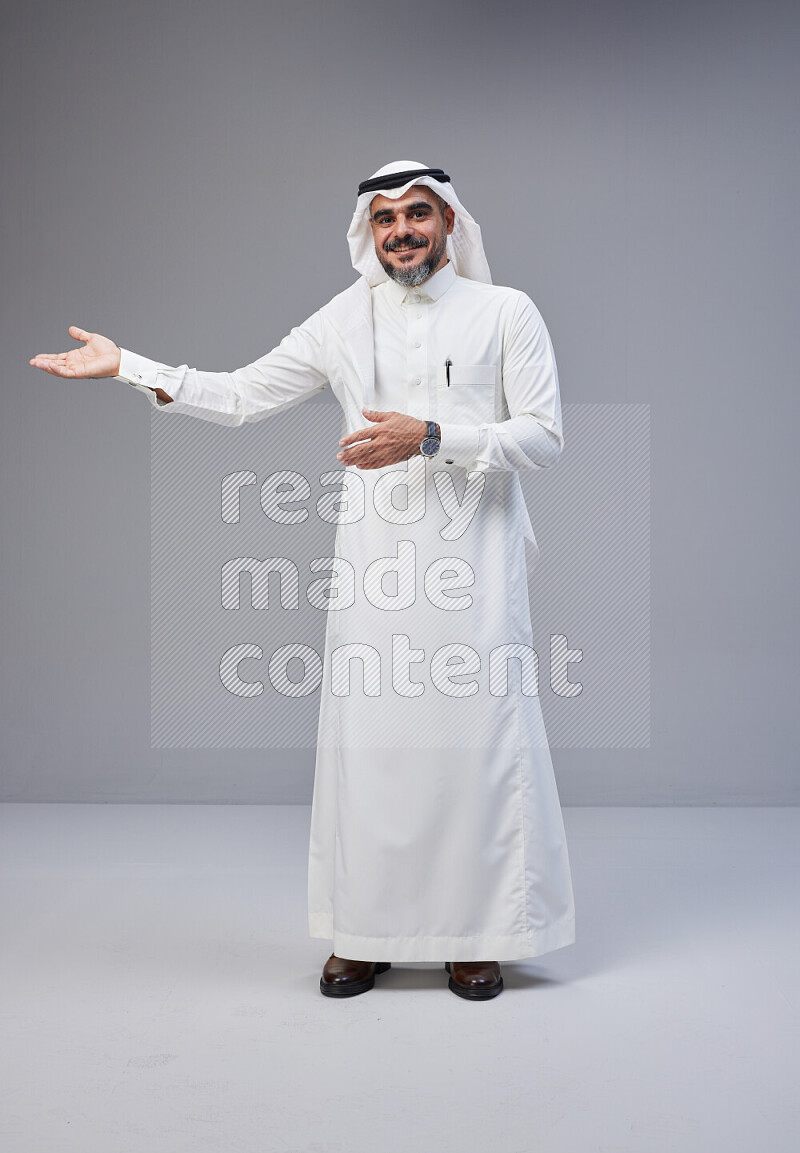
(433, 439)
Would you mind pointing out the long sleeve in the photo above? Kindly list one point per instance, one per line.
(285, 376)
(531, 438)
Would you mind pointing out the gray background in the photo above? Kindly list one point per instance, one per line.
(180, 177)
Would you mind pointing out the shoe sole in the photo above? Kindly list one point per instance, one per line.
(352, 988)
(481, 993)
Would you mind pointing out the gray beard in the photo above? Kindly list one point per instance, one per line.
(411, 277)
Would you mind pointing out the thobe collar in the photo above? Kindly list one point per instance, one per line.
(350, 314)
(434, 287)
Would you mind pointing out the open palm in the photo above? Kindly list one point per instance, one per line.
(99, 357)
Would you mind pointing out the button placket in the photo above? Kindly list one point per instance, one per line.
(416, 352)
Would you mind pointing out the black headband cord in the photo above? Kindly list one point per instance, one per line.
(396, 179)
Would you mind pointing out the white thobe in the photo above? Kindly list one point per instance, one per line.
(436, 831)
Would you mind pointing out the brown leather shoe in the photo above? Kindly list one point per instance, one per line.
(475, 980)
(344, 978)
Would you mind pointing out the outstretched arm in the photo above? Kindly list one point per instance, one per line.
(286, 375)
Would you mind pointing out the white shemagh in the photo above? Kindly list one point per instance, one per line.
(464, 245)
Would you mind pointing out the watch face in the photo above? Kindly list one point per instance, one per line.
(430, 446)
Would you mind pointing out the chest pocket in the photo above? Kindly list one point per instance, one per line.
(470, 396)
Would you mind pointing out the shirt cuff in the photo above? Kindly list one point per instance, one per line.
(141, 373)
(459, 445)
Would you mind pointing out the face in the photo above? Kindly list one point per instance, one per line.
(410, 234)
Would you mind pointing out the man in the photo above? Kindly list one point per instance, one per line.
(436, 830)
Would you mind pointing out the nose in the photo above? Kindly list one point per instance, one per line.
(403, 225)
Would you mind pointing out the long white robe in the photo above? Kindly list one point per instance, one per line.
(436, 829)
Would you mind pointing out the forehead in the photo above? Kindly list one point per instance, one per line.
(413, 196)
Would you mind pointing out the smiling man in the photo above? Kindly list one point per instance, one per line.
(436, 829)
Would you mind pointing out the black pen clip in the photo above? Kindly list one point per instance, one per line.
(447, 364)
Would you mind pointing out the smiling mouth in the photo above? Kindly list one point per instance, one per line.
(404, 249)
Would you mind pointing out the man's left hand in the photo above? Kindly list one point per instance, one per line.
(393, 437)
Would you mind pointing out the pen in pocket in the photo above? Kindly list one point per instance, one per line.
(447, 364)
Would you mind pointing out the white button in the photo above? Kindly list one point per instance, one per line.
(417, 344)
(417, 380)
(417, 315)
(415, 298)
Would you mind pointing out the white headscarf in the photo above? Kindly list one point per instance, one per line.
(464, 245)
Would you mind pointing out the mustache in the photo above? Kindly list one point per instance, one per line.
(404, 242)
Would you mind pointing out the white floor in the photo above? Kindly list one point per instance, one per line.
(160, 995)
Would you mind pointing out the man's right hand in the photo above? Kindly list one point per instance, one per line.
(99, 357)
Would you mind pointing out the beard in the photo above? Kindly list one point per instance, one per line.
(411, 277)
